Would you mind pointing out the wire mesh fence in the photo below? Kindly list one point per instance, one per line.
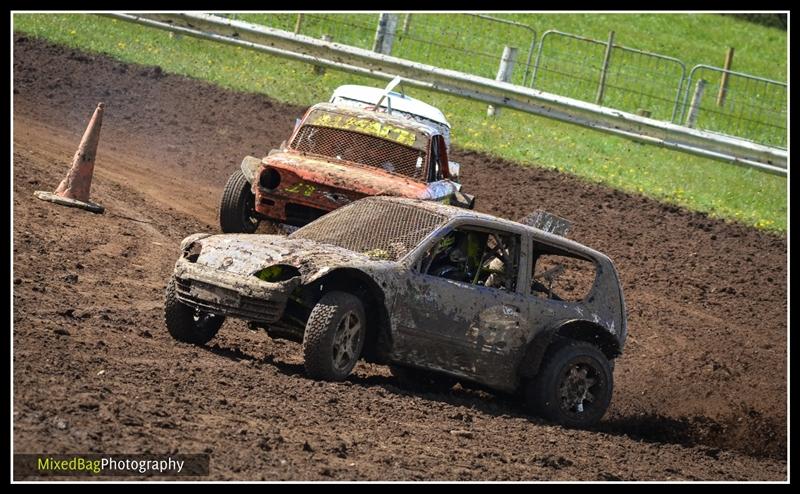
(737, 104)
(471, 43)
(635, 81)
(624, 78)
(467, 43)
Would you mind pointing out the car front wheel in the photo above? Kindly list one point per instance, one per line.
(334, 336)
(237, 208)
(574, 385)
(187, 324)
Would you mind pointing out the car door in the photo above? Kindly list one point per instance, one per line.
(461, 327)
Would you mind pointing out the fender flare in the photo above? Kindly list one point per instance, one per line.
(341, 278)
(537, 347)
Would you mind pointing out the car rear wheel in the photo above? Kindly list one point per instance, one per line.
(237, 212)
(334, 336)
(187, 324)
(574, 386)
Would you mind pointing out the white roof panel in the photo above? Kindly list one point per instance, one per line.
(400, 102)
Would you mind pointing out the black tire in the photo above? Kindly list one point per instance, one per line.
(422, 379)
(187, 324)
(331, 345)
(237, 208)
(559, 391)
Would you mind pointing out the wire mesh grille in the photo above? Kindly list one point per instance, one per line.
(361, 148)
(380, 229)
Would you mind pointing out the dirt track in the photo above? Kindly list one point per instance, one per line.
(700, 392)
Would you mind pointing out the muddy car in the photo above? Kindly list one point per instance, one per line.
(337, 154)
(396, 103)
(432, 290)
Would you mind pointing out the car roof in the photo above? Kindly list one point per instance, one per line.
(453, 212)
(400, 102)
(395, 120)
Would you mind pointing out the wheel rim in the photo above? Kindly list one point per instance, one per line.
(346, 341)
(580, 389)
(203, 320)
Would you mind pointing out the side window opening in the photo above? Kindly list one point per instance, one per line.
(561, 276)
(478, 257)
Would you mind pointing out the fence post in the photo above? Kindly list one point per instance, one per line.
(319, 69)
(380, 32)
(694, 106)
(601, 89)
(384, 34)
(298, 24)
(503, 73)
(406, 24)
(528, 62)
(723, 85)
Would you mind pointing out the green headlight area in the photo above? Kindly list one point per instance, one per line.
(271, 273)
(277, 272)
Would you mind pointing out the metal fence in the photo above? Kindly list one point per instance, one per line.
(471, 43)
(628, 79)
(658, 86)
(596, 71)
(737, 104)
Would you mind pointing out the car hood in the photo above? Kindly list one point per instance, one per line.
(247, 254)
(365, 180)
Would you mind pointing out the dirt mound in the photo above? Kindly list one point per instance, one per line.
(701, 389)
(744, 430)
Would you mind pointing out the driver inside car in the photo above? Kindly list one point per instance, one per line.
(495, 267)
(497, 274)
(458, 256)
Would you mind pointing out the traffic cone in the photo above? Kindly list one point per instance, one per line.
(73, 191)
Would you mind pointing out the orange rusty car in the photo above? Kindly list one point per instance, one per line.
(338, 154)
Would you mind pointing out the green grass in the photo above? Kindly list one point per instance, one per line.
(571, 67)
(722, 190)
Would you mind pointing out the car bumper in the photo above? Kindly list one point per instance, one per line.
(299, 203)
(232, 295)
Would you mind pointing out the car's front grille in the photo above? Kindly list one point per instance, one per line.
(228, 302)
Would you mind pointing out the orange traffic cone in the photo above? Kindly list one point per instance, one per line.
(74, 189)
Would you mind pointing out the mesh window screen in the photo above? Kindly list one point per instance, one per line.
(361, 148)
(380, 229)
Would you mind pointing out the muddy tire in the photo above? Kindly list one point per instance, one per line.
(422, 379)
(187, 324)
(334, 336)
(574, 385)
(237, 209)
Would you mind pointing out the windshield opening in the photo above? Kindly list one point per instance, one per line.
(361, 148)
(382, 230)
